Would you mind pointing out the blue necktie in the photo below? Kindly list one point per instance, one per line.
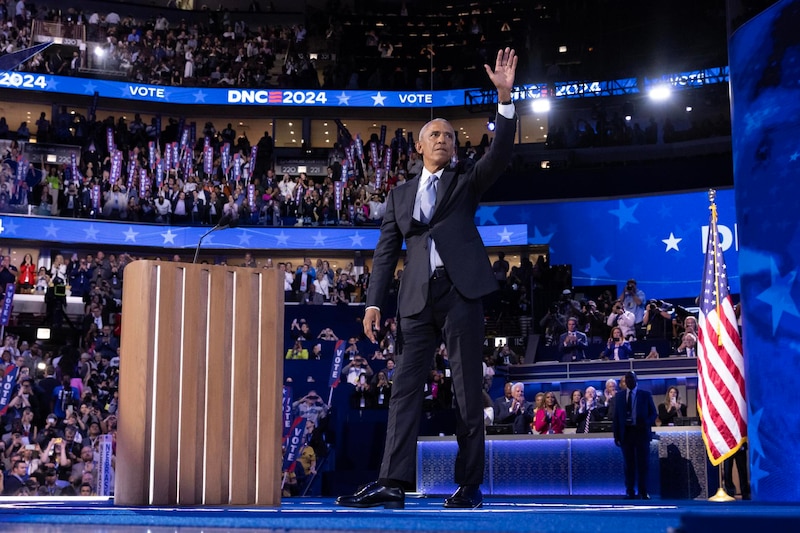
(427, 204)
(427, 200)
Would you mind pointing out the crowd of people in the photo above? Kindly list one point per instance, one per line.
(604, 328)
(587, 411)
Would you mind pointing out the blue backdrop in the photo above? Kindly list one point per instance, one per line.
(765, 67)
(658, 240)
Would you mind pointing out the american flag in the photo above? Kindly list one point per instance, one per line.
(720, 364)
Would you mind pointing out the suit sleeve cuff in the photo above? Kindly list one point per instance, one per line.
(506, 110)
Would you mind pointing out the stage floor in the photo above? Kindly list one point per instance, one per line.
(96, 515)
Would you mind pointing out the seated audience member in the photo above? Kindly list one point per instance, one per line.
(589, 411)
(362, 396)
(297, 351)
(576, 400)
(381, 390)
(353, 370)
(311, 407)
(672, 409)
(504, 356)
(519, 413)
(572, 344)
(623, 318)
(551, 418)
(327, 334)
(617, 348)
(688, 344)
(607, 400)
(502, 404)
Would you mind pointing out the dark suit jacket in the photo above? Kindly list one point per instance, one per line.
(452, 228)
(644, 411)
(577, 351)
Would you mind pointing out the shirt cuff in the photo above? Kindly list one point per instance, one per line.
(506, 110)
(373, 307)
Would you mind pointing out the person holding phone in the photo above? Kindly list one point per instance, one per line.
(672, 409)
(617, 348)
(572, 344)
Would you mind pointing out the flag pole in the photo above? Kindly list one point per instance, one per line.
(721, 495)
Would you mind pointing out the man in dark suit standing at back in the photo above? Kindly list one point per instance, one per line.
(634, 416)
(447, 272)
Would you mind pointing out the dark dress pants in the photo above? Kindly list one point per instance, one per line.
(460, 320)
(636, 455)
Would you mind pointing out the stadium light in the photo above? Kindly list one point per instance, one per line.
(659, 93)
(541, 105)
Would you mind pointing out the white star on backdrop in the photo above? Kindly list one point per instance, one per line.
(378, 99)
(91, 233)
(51, 231)
(357, 240)
(505, 235)
(672, 242)
(343, 99)
(130, 235)
(169, 237)
(319, 239)
(283, 239)
(199, 96)
(244, 238)
(10, 228)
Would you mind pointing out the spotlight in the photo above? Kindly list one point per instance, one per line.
(627, 111)
(689, 109)
(490, 125)
(99, 52)
(660, 93)
(541, 105)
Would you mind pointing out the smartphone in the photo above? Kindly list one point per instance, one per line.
(57, 440)
(31, 447)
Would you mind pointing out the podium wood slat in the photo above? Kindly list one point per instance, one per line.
(200, 386)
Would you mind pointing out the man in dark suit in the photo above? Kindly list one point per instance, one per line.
(447, 271)
(519, 414)
(572, 344)
(634, 416)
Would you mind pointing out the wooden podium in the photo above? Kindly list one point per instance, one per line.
(201, 375)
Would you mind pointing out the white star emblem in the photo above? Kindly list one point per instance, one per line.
(169, 237)
(244, 238)
(130, 235)
(378, 99)
(199, 96)
(51, 231)
(89, 88)
(505, 235)
(91, 233)
(9, 227)
(283, 239)
(343, 99)
(319, 239)
(357, 240)
(672, 242)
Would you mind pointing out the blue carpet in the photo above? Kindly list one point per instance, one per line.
(423, 514)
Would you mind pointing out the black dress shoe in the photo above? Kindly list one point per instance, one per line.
(644, 496)
(465, 497)
(375, 495)
(630, 496)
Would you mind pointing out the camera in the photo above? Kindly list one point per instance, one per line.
(629, 287)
